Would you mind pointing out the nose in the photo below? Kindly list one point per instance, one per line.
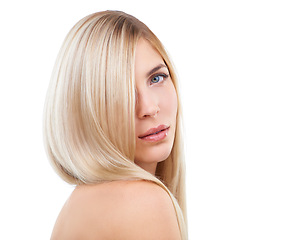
(146, 105)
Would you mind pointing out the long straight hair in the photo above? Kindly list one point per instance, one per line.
(90, 108)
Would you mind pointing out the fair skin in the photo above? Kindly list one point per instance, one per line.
(123, 210)
(156, 105)
(132, 209)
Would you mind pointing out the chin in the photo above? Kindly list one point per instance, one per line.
(154, 154)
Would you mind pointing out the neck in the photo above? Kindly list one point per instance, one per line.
(149, 167)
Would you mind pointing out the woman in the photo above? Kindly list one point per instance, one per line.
(112, 128)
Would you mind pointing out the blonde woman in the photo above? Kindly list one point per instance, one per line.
(113, 129)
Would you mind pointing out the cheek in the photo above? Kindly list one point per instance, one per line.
(169, 102)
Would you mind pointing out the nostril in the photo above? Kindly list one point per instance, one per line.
(152, 113)
(146, 105)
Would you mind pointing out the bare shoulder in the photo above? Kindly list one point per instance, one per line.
(146, 212)
(121, 209)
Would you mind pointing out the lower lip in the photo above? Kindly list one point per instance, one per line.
(156, 137)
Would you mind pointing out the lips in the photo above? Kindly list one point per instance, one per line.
(155, 134)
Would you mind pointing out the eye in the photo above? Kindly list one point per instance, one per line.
(158, 78)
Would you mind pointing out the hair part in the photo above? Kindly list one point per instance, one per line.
(90, 108)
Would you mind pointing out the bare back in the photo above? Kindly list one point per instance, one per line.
(117, 210)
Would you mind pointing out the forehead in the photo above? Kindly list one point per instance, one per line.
(146, 58)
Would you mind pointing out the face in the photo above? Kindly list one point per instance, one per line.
(156, 108)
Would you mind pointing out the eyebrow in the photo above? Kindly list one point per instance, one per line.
(155, 69)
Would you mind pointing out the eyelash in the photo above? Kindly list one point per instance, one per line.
(163, 75)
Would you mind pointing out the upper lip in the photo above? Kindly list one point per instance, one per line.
(153, 130)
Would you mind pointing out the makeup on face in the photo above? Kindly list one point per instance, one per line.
(156, 107)
(155, 134)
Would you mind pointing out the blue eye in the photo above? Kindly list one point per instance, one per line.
(158, 78)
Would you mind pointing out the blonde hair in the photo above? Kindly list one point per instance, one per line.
(90, 108)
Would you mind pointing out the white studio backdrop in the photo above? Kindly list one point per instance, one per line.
(238, 67)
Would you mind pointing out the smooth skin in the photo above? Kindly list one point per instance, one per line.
(118, 210)
(130, 210)
(156, 105)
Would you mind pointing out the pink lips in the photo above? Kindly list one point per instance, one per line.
(155, 134)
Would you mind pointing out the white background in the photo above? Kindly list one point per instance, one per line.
(238, 63)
